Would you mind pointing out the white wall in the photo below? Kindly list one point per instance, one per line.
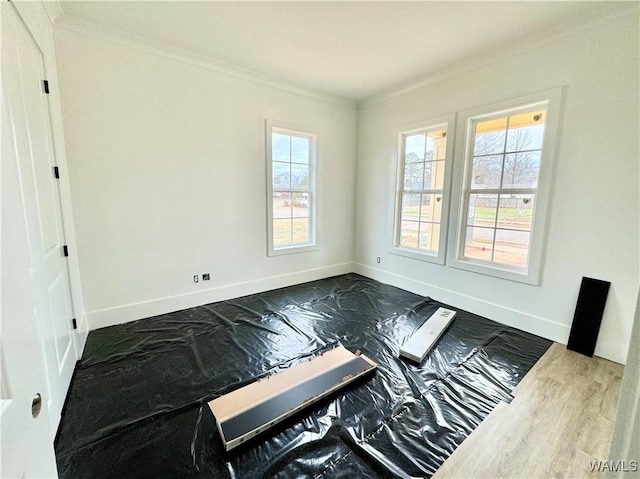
(593, 229)
(167, 173)
(167, 164)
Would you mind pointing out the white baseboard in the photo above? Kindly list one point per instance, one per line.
(146, 309)
(510, 317)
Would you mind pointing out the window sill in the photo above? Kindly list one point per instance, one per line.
(419, 255)
(292, 249)
(504, 272)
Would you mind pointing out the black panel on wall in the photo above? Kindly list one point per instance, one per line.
(588, 316)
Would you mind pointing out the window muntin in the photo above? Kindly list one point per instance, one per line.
(421, 199)
(504, 154)
(291, 167)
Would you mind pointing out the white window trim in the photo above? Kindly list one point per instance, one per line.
(449, 122)
(543, 196)
(303, 131)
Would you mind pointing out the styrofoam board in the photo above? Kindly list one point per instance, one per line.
(425, 338)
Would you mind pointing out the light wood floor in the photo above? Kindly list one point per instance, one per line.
(561, 417)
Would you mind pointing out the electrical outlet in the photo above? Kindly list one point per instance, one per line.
(378, 259)
(195, 278)
(206, 277)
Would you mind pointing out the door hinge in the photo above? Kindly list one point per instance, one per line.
(56, 172)
(65, 250)
(46, 86)
(75, 325)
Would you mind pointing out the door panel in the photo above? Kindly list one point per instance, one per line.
(36, 109)
(61, 308)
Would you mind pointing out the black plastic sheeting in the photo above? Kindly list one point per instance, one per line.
(137, 406)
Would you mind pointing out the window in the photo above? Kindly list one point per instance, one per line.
(422, 192)
(507, 158)
(291, 161)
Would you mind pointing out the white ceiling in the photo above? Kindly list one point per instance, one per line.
(351, 49)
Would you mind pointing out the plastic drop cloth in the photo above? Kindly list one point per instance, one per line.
(137, 406)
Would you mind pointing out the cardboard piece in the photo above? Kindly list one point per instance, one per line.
(252, 409)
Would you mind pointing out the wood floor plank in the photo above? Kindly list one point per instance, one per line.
(561, 417)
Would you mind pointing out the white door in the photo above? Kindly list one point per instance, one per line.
(27, 153)
(26, 443)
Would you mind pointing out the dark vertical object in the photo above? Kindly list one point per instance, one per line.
(65, 250)
(46, 86)
(588, 316)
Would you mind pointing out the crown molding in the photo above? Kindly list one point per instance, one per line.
(89, 28)
(53, 9)
(607, 12)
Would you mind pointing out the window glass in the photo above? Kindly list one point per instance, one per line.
(421, 183)
(500, 197)
(291, 209)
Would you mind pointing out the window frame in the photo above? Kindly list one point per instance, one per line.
(552, 100)
(271, 127)
(449, 123)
